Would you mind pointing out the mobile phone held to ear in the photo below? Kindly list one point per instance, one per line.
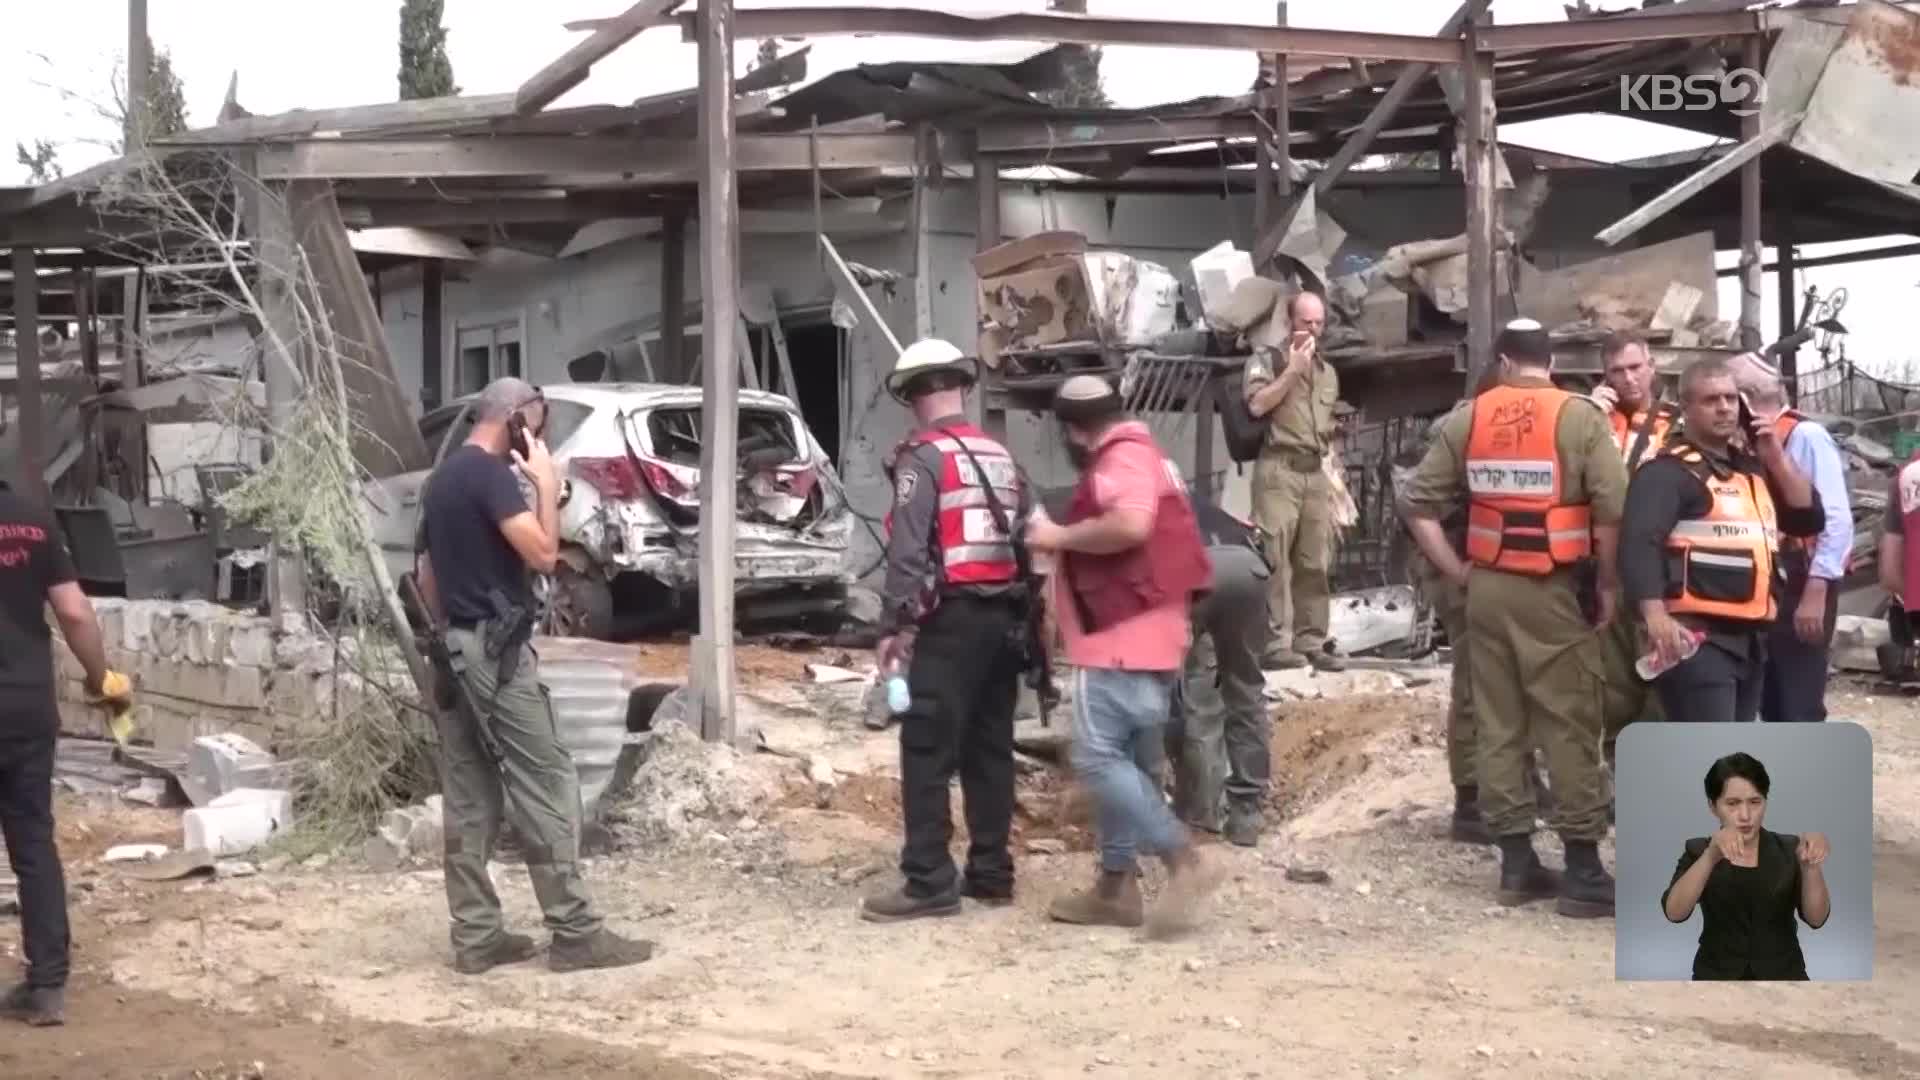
(517, 434)
(1747, 421)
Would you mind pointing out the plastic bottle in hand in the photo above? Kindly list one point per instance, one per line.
(1649, 667)
(899, 698)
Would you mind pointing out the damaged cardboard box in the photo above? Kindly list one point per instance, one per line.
(1034, 292)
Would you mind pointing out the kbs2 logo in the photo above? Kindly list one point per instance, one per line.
(1741, 90)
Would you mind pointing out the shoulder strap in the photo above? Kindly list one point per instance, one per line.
(1002, 519)
(1645, 434)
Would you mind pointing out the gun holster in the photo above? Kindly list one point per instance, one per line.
(1586, 587)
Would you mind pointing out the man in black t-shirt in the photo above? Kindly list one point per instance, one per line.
(36, 571)
(478, 544)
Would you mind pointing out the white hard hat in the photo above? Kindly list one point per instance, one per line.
(925, 356)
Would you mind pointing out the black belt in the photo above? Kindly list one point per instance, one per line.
(464, 624)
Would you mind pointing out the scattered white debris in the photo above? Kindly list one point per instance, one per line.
(829, 673)
(1047, 845)
(133, 852)
(151, 791)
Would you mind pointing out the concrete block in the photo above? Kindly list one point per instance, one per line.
(278, 800)
(243, 687)
(136, 628)
(233, 829)
(214, 763)
(251, 643)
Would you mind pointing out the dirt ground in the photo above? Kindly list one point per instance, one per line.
(1400, 966)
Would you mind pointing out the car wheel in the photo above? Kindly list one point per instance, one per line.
(581, 606)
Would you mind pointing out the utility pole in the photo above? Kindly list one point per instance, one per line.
(713, 671)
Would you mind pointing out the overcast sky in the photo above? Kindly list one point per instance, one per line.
(59, 61)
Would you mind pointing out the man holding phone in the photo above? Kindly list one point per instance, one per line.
(1292, 497)
(1794, 684)
(478, 546)
(1641, 424)
(1699, 547)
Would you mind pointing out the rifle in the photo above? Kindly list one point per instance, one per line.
(450, 692)
(1031, 643)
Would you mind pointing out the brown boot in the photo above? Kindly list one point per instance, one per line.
(1192, 879)
(1114, 900)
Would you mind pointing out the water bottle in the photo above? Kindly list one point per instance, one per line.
(1649, 667)
(899, 698)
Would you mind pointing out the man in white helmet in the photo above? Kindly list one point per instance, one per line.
(954, 621)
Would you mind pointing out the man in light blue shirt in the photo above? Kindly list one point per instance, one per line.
(1794, 686)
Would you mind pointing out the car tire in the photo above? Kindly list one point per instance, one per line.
(581, 605)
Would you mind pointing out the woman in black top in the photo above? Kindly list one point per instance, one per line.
(1749, 883)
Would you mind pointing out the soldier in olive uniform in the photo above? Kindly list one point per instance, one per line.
(1544, 486)
(1293, 501)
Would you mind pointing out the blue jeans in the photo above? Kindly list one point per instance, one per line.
(1118, 719)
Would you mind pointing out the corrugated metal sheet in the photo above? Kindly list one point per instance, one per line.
(593, 684)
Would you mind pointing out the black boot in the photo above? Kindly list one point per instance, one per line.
(1244, 822)
(1522, 878)
(1587, 890)
(1468, 826)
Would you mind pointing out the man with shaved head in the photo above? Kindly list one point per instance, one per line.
(1793, 684)
(1292, 496)
(478, 546)
(1700, 547)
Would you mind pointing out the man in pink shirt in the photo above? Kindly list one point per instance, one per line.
(1128, 562)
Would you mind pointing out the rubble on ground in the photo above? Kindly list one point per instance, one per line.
(410, 833)
(686, 789)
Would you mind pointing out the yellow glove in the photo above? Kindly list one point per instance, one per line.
(116, 694)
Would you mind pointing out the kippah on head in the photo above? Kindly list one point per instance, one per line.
(1085, 398)
(1524, 340)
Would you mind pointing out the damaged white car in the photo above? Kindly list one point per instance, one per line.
(629, 458)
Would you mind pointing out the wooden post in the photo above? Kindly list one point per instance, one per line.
(673, 296)
(1750, 214)
(26, 368)
(433, 349)
(986, 234)
(133, 306)
(86, 296)
(1785, 272)
(1282, 125)
(924, 164)
(276, 257)
(713, 670)
(1477, 148)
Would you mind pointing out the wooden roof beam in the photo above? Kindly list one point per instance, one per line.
(632, 161)
(1342, 45)
(572, 68)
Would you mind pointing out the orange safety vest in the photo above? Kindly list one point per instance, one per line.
(1803, 545)
(1626, 433)
(1726, 558)
(1516, 518)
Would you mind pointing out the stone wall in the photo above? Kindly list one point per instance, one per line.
(202, 669)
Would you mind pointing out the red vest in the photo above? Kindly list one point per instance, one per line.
(1909, 510)
(1171, 566)
(973, 549)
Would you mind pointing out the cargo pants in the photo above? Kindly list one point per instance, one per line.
(535, 783)
(1449, 603)
(1536, 668)
(1218, 737)
(1629, 699)
(1292, 504)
